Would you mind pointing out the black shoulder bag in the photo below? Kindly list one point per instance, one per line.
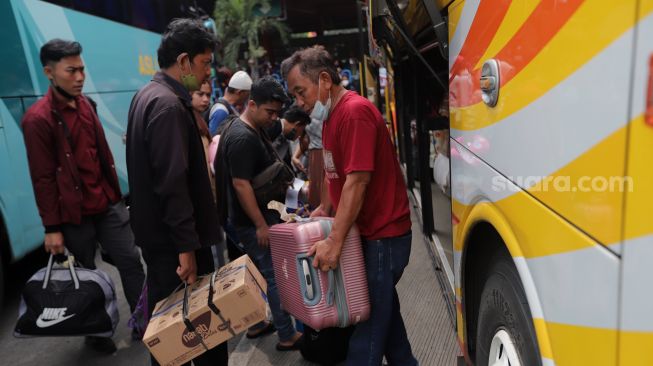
(274, 180)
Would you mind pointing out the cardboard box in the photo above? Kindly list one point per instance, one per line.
(239, 295)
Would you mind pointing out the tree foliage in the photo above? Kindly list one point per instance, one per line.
(236, 23)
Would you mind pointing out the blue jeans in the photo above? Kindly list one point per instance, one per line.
(263, 260)
(384, 333)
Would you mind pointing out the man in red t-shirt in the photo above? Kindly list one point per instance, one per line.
(365, 187)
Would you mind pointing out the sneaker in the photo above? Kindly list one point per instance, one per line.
(269, 329)
(101, 344)
(297, 345)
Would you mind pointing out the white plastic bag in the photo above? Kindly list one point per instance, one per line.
(441, 172)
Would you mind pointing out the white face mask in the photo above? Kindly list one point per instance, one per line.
(321, 111)
(345, 83)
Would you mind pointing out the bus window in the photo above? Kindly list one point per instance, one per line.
(152, 15)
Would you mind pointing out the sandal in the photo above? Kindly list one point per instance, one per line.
(269, 329)
(293, 347)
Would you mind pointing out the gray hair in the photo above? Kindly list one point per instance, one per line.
(312, 61)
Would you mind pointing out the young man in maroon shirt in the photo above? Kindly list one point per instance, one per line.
(366, 187)
(74, 177)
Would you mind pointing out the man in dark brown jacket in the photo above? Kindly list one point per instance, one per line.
(173, 212)
(74, 176)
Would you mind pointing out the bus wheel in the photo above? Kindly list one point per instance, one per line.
(506, 335)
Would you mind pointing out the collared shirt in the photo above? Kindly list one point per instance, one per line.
(80, 120)
(67, 175)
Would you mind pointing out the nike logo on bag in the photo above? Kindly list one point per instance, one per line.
(52, 316)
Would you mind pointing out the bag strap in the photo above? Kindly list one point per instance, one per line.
(69, 139)
(73, 272)
(269, 147)
(214, 308)
(48, 271)
(71, 268)
(263, 136)
(66, 130)
(229, 107)
(189, 325)
(104, 164)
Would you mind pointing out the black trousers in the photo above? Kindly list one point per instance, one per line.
(162, 279)
(111, 229)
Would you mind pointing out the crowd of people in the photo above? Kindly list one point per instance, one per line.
(191, 177)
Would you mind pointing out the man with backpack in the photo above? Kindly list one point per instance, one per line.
(74, 177)
(235, 97)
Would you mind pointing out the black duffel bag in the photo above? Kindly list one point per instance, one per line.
(67, 301)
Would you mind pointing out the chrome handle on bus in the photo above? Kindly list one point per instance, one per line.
(487, 83)
(490, 82)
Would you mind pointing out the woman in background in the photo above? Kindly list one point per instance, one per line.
(201, 102)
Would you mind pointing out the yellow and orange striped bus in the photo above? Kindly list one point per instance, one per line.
(551, 158)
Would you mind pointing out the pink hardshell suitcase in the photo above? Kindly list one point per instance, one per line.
(337, 298)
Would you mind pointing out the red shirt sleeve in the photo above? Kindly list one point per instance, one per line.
(357, 138)
(42, 159)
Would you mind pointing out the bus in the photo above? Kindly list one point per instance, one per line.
(119, 59)
(544, 234)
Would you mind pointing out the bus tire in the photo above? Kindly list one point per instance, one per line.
(505, 327)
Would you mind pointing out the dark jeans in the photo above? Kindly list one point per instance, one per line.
(111, 229)
(384, 333)
(162, 279)
(234, 251)
(263, 260)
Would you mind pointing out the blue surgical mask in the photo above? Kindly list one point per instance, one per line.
(321, 111)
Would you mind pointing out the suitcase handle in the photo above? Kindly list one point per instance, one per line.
(308, 280)
(71, 268)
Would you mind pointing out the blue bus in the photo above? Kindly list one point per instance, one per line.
(119, 59)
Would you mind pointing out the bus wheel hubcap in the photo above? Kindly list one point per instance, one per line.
(503, 351)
